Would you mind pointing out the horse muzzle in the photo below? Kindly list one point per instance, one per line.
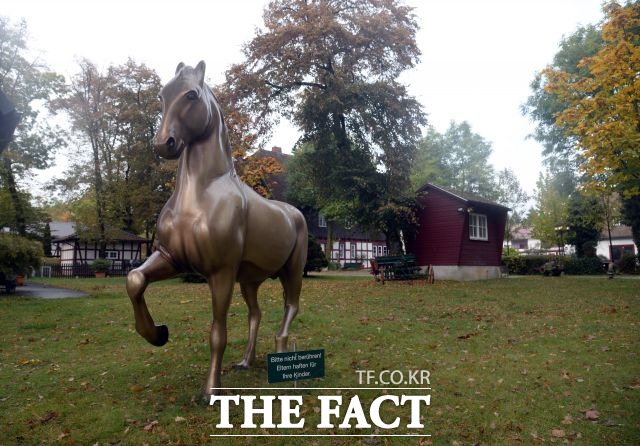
(170, 148)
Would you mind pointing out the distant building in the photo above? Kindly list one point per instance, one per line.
(522, 240)
(621, 243)
(459, 235)
(76, 254)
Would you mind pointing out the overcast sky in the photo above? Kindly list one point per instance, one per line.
(478, 56)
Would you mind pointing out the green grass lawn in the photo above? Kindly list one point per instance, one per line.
(512, 361)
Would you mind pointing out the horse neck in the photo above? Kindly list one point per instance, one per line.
(205, 160)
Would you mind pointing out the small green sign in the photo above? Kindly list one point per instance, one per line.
(293, 366)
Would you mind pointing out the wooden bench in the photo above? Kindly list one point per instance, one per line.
(401, 267)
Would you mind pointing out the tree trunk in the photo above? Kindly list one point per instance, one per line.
(21, 224)
(97, 184)
(329, 247)
(394, 244)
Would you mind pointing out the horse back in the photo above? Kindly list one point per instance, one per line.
(273, 230)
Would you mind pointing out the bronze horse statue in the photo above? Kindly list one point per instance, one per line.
(216, 225)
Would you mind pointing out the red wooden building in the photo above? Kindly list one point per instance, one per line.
(460, 235)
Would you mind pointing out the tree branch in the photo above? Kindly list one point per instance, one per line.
(295, 84)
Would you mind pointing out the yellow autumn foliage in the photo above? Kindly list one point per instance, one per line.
(603, 112)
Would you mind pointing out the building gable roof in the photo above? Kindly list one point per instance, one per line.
(464, 197)
(64, 234)
(617, 232)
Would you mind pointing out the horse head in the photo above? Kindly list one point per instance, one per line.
(187, 106)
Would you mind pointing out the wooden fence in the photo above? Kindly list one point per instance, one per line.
(81, 270)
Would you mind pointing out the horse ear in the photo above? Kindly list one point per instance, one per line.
(200, 68)
(179, 67)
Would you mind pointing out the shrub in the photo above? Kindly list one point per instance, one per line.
(525, 265)
(316, 260)
(100, 265)
(628, 264)
(582, 265)
(19, 254)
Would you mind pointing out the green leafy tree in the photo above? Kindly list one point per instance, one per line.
(28, 84)
(542, 106)
(511, 194)
(550, 210)
(457, 159)
(631, 216)
(18, 254)
(332, 66)
(315, 257)
(585, 221)
(337, 191)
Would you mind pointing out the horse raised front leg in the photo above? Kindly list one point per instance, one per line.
(154, 269)
(221, 286)
(250, 295)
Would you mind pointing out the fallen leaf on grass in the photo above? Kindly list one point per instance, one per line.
(150, 426)
(559, 433)
(51, 415)
(468, 335)
(568, 419)
(136, 388)
(179, 419)
(591, 415)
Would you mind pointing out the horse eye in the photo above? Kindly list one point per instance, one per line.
(192, 95)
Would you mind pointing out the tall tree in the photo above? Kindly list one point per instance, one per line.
(602, 113)
(550, 210)
(457, 159)
(27, 83)
(332, 66)
(511, 194)
(115, 113)
(585, 222)
(543, 105)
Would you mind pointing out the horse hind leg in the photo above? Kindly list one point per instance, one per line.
(250, 295)
(291, 279)
(154, 269)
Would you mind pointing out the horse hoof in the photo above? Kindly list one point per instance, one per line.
(162, 335)
(243, 365)
(281, 344)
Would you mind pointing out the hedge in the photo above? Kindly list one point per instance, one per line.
(532, 264)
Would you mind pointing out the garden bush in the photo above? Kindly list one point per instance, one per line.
(18, 254)
(582, 265)
(525, 265)
(628, 264)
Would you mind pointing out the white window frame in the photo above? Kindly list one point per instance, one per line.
(478, 227)
(112, 255)
(322, 221)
